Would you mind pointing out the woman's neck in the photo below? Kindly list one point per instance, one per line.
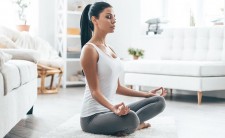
(98, 39)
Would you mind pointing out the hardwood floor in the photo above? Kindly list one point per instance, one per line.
(50, 110)
(192, 120)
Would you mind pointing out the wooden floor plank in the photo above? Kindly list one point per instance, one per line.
(51, 110)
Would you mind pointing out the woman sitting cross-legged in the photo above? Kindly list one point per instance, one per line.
(102, 67)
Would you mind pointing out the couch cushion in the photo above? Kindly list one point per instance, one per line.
(4, 57)
(5, 42)
(55, 63)
(198, 44)
(17, 73)
(176, 67)
(11, 77)
(28, 70)
(23, 54)
(11, 34)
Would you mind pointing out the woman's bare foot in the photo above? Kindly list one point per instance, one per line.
(143, 126)
(121, 134)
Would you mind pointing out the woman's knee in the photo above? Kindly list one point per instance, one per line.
(132, 122)
(161, 102)
(133, 118)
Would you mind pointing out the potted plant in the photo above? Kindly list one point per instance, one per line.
(136, 53)
(21, 6)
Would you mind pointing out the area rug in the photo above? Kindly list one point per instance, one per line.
(162, 127)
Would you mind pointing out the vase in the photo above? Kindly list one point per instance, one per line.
(23, 28)
(135, 57)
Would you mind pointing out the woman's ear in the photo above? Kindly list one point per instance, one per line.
(93, 19)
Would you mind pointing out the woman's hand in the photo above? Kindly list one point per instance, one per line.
(121, 109)
(157, 92)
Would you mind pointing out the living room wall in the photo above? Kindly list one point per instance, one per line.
(127, 33)
(47, 20)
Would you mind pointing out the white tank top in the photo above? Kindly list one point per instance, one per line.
(108, 69)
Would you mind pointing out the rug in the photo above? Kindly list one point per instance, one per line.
(162, 127)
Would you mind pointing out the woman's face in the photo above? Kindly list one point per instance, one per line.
(106, 21)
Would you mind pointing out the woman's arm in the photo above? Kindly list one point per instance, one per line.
(89, 59)
(130, 92)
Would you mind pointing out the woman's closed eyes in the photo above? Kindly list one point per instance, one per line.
(109, 16)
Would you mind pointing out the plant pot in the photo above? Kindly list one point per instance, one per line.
(23, 28)
(135, 57)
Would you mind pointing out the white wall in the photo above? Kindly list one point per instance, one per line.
(127, 32)
(47, 20)
(9, 15)
(126, 17)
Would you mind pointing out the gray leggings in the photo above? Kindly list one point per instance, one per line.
(108, 123)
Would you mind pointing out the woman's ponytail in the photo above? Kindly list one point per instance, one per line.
(86, 26)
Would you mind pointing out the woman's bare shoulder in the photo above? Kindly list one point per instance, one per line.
(89, 51)
(88, 48)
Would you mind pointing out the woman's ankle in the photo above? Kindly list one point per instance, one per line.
(143, 126)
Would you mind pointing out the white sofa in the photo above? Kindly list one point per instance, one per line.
(48, 56)
(18, 87)
(191, 59)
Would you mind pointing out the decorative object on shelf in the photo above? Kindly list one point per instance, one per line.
(136, 53)
(73, 31)
(154, 25)
(73, 78)
(21, 6)
(77, 77)
(79, 5)
(73, 49)
(73, 54)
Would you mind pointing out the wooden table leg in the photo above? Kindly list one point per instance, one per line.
(199, 97)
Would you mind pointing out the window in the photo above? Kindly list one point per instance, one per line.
(183, 13)
(150, 9)
(213, 12)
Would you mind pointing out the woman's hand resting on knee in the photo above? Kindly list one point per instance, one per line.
(157, 92)
(121, 109)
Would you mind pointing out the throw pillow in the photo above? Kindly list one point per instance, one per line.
(4, 57)
(23, 54)
(5, 42)
(9, 33)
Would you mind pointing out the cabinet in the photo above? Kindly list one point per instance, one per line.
(67, 40)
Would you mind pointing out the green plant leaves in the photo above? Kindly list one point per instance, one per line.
(136, 52)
